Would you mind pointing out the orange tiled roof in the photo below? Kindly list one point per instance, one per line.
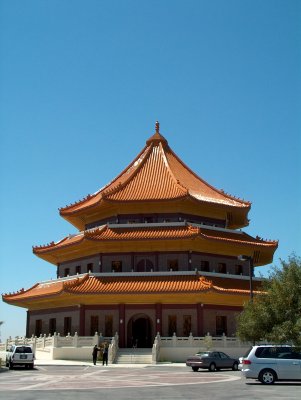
(236, 236)
(155, 232)
(90, 284)
(48, 288)
(156, 174)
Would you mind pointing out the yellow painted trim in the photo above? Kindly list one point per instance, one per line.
(188, 205)
(89, 248)
(67, 299)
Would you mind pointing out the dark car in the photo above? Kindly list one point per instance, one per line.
(212, 360)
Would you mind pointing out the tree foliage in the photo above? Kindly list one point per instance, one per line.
(275, 315)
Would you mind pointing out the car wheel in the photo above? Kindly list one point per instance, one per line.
(31, 366)
(195, 369)
(267, 376)
(235, 367)
(212, 367)
(11, 365)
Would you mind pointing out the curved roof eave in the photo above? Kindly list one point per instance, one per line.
(92, 285)
(94, 199)
(148, 232)
(175, 169)
(45, 289)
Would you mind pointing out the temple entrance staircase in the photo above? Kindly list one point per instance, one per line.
(134, 356)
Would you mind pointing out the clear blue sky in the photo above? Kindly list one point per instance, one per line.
(83, 82)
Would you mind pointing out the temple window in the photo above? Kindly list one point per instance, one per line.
(117, 266)
(38, 327)
(109, 325)
(172, 325)
(94, 325)
(78, 269)
(90, 267)
(238, 269)
(52, 326)
(67, 325)
(172, 265)
(222, 269)
(66, 272)
(221, 325)
(205, 266)
(144, 265)
(186, 325)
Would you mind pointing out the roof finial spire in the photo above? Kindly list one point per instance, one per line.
(157, 127)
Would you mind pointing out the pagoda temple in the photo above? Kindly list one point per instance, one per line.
(155, 250)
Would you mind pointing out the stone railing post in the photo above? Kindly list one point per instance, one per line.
(225, 343)
(208, 341)
(43, 341)
(158, 338)
(190, 339)
(95, 339)
(58, 344)
(33, 340)
(54, 339)
(75, 340)
(113, 348)
(174, 340)
(156, 349)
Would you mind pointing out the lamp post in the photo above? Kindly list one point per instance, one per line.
(251, 265)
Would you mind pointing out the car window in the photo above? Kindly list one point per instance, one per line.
(274, 352)
(266, 352)
(285, 355)
(23, 349)
(296, 355)
(202, 354)
(19, 350)
(223, 355)
(215, 355)
(27, 350)
(290, 355)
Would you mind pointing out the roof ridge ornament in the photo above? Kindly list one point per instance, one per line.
(157, 138)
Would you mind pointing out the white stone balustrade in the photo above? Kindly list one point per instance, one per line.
(172, 348)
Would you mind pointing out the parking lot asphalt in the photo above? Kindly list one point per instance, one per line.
(136, 382)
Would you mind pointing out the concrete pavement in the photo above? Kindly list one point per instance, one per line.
(46, 362)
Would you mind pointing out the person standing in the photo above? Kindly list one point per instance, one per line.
(105, 352)
(94, 354)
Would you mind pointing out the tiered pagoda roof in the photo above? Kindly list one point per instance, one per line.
(157, 181)
(173, 235)
(116, 286)
(156, 176)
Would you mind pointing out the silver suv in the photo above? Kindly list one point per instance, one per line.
(20, 355)
(270, 363)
